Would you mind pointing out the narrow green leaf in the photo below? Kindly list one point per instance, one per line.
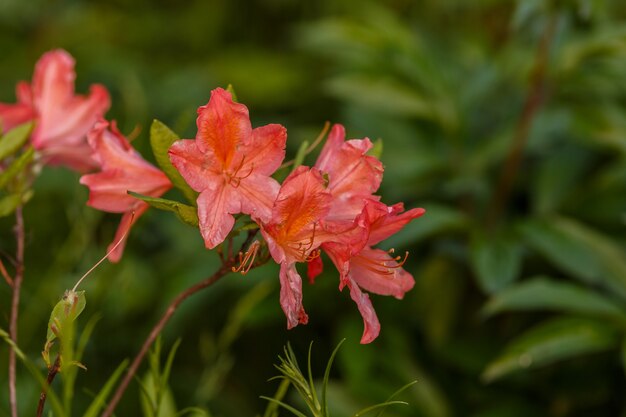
(14, 139)
(377, 406)
(327, 376)
(16, 166)
(579, 250)
(165, 375)
(552, 341)
(285, 406)
(496, 262)
(53, 399)
(100, 400)
(272, 407)
(543, 293)
(161, 138)
(188, 214)
(394, 395)
(300, 155)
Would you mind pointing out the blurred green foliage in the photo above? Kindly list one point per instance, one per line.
(506, 120)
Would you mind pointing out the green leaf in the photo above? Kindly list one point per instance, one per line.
(496, 262)
(65, 311)
(9, 203)
(284, 405)
(542, 293)
(161, 138)
(188, 214)
(552, 341)
(327, 376)
(231, 90)
(377, 149)
(297, 161)
(100, 400)
(579, 250)
(14, 139)
(16, 167)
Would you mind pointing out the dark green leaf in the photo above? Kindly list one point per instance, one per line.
(14, 139)
(552, 341)
(161, 138)
(496, 262)
(187, 214)
(580, 251)
(542, 293)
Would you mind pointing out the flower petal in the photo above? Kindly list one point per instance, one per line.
(222, 126)
(197, 168)
(257, 194)
(291, 295)
(121, 235)
(385, 221)
(265, 151)
(214, 212)
(378, 272)
(371, 324)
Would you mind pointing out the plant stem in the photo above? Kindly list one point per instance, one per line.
(15, 303)
(226, 268)
(534, 100)
(52, 372)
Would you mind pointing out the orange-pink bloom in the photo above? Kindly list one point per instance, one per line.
(62, 118)
(230, 164)
(293, 234)
(122, 169)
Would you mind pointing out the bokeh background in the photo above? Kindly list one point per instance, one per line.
(506, 120)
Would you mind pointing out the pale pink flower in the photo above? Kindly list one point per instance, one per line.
(122, 169)
(62, 119)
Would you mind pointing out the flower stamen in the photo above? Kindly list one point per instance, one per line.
(246, 261)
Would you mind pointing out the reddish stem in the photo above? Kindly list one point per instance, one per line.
(15, 303)
(156, 330)
(534, 100)
(52, 372)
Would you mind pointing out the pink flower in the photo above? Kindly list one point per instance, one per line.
(62, 118)
(122, 169)
(353, 176)
(359, 221)
(292, 234)
(230, 164)
(362, 267)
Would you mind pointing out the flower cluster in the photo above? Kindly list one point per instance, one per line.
(330, 207)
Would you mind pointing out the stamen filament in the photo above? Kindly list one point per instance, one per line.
(247, 260)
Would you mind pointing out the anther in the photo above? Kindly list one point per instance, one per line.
(247, 260)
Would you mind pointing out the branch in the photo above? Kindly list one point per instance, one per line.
(534, 100)
(169, 312)
(5, 274)
(52, 372)
(15, 303)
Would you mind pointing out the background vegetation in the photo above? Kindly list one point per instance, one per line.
(505, 120)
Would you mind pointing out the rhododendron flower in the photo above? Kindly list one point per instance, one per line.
(293, 235)
(122, 169)
(62, 118)
(230, 164)
(375, 270)
(353, 176)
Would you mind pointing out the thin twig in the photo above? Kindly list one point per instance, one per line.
(169, 312)
(534, 100)
(5, 274)
(15, 303)
(52, 372)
